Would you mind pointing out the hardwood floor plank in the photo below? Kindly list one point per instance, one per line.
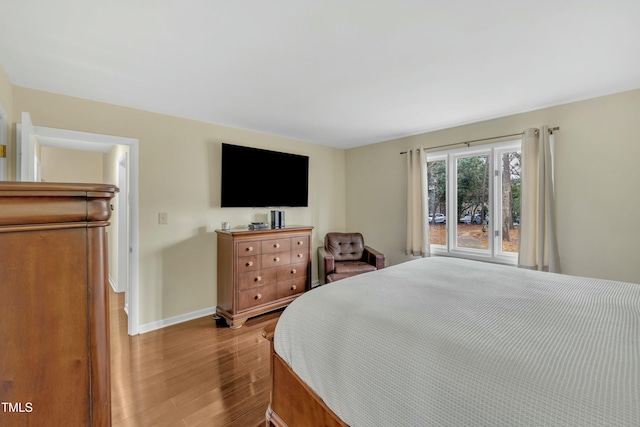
(196, 373)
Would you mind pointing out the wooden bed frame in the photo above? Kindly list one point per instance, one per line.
(293, 403)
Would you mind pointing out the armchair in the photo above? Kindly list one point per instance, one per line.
(344, 255)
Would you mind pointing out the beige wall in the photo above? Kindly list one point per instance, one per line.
(597, 174)
(63, 165)
(179, 174)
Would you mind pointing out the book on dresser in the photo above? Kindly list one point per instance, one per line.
(261, 270)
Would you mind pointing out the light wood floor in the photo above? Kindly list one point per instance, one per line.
(197, 373)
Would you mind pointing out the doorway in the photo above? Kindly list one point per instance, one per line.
(127, 244)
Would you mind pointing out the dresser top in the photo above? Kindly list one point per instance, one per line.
(37, 204)
(247, 231)
(9, 187)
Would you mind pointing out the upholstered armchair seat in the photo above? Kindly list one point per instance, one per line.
(344, 255)
(353, 267)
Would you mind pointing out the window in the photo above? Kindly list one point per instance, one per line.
(474, 201)
(437, 185)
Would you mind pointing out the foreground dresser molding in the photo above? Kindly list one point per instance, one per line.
(54, 328)
(261, 270)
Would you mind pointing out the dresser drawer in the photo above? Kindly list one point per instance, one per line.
(292, 271)
(276, 245)
(249, 263)
(249, 248)
(253, 279)
(276, 259)
(300, 243)
(299, 255)
(299, 249)
(257, 296)
(291, 287)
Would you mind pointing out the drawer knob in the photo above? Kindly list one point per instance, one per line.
(294, 271)
(294, 287)
(258, 296)
(300, 255)
(277, 245)
(250, 249)
(250, 263)
(258, 279)
(300, 242)
(276, 259)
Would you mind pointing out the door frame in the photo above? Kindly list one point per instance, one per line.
(123, 221)
(26, 158)
(86, 141)
(4, 140)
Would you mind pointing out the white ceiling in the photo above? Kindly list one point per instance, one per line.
(341, 73)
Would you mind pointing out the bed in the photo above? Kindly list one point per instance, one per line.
(450, 342)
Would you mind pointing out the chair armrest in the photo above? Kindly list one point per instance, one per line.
(326, 264)
(374, 257)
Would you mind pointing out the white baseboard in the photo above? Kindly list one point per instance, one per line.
(113, 284)
(148, 327)
(315, 283)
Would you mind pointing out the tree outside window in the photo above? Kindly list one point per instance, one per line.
(474, 199)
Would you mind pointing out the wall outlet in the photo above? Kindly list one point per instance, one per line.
(163, 218)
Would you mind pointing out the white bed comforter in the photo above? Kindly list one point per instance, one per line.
(449, 342)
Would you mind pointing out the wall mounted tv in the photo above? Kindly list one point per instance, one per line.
(252, 177)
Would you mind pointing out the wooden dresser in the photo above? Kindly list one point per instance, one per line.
(54, 324)
(261, 270)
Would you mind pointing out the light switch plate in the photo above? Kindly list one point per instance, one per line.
(163, 218)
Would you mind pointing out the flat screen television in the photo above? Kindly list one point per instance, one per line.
(252, 177)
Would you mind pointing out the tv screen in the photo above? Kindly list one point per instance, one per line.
(252, 177)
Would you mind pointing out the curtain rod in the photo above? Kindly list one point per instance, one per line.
(480, 140)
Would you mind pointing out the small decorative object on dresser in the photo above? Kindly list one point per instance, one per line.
(261, 270)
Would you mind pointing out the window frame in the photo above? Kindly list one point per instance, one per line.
(494, 151)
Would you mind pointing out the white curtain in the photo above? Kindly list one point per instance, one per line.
(417, 206)
(538, 242)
